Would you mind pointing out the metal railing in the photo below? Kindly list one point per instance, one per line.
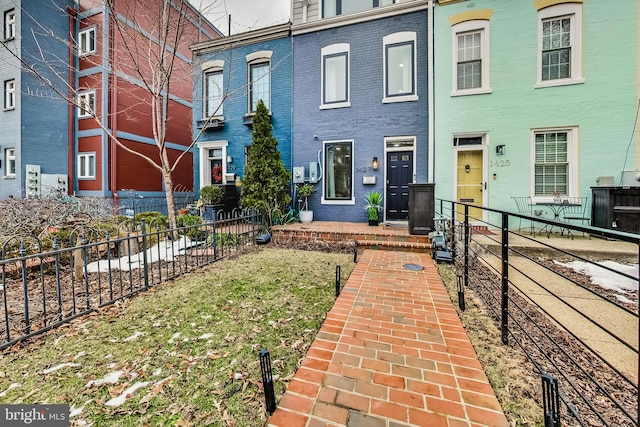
(42, 290)
(580, 336)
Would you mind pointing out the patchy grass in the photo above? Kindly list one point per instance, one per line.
(190, 345)
(507, 369)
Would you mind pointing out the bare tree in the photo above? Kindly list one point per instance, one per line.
(148, 43)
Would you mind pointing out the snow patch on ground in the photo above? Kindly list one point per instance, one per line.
(110, 378)
(166, 250)
(60, 366)
(605, 278)
(12, 385)
(117, 401)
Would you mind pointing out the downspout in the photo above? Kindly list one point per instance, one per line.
(114, 108)
(431, 97)
(71, 122)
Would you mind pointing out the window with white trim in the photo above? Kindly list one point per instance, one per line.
(554, 162)
(332, 8)
(400, 69)
(86, 104)
(560, 45)
(335, 76)
(9, 94)
(10, 162)
(10, 24)
(87, 41)
(214, 93)
(259, 85)
(471, 57)
(86, 165)
(338, 171)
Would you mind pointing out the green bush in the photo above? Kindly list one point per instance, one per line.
(211, 195)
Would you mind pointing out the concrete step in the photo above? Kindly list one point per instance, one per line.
(388, 245)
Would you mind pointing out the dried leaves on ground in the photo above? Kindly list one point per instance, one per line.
(186, 352)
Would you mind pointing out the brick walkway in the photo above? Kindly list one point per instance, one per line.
(392, 352)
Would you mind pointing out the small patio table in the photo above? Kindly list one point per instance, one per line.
(556, 208)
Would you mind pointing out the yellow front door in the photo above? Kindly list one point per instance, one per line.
(470, 183)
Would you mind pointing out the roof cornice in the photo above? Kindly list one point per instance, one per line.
(242, 39)
(364, 16)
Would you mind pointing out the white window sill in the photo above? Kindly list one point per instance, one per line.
(324, 201)
(559, 82)
(9, 109)
(9, 177)
(212, 118)
(83, 54)
(404, 98)
(84, 117)
(86, 178)
(336, 105)
(478, 91)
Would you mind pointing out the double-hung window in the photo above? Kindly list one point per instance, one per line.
(87, 41)
(86, 165)
(86, 104)
(332, 8)
(554, 162)
(335, 76)
(10, 162)
(259, 70)
(9, 94)
(560, 45)
(10, 24)
(260, 85)
(214, 93)
(471, 57)
(338, 172)
(400, 69)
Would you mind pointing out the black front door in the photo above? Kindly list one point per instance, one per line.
(399, 175)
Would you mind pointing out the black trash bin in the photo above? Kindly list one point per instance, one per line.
(421, 208)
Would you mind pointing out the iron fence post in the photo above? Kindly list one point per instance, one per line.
(23, 253)
(267, 381)
(550, 401)
(453, 231)
(86, 271)
(466, 246)
(56, 248)
(144, 253)
(337, 281)
(505, 279)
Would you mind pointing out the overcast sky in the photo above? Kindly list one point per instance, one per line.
(246, 15)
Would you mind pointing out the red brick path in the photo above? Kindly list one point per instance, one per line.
(392, 352)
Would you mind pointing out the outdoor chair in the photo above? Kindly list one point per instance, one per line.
(525, 207)
(576, 210)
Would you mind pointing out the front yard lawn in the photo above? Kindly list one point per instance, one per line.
(185, 352)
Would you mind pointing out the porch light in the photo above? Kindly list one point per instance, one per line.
(374, 164)
(500, 150)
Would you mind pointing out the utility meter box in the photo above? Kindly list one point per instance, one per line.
(298, 174)
(33, 183)
(313, 172)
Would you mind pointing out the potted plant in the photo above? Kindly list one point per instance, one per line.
(210, 195)
(304, 191)
(373, 206)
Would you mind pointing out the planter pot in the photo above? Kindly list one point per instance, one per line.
(306, 217)
(373, 222)
(182, 212)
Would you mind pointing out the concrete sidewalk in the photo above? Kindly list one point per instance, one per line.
(392, 352)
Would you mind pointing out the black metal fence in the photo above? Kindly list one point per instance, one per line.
(42, 290)
(580, 337)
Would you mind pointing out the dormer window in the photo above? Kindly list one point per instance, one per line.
(332, 8)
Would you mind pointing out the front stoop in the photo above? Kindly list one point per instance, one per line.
(367, 237)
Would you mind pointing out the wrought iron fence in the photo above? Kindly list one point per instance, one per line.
(42, 290)
(581, 336)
